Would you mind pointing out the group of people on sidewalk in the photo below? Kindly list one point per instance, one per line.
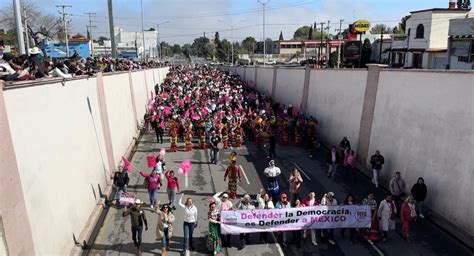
(224, 113)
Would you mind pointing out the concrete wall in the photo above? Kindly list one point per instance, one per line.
(250, 74)
(59, 143)
(423, 125)
(140, 91)
(289, 86)
(335, 98)
(265, 79)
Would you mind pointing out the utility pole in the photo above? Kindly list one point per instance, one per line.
(26, 33)
(328, 53)
(136, 45)
(144, 57)
(19, 26)
(381, 45)
(339, 36)
(112, 29)
(90, 31)
(263, 3)
(65, 25)
(320, 60)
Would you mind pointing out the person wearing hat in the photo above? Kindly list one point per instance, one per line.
(233, 172)
(224, 205)
(138, 218)
(283, 203)
(272, 172)
(245, 204)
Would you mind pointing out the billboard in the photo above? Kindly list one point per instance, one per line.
(352, 50)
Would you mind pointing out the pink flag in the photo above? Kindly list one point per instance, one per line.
(186, 114)
(167, 110)
(227, 99)
(186, 166)
(127, 164)
(180, 102)
(153, 119)
(219, 116)
(195, 116)
(162, 125)
(187, 99)
(151, 161)
(203, 111)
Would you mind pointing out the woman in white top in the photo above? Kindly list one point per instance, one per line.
(386, 213)
(329, 199)
(190, 222)
(264, 202)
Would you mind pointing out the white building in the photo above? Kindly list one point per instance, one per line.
(461, 44)
(426, 42)
(127, 39)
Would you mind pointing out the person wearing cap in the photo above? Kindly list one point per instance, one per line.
(283, 203)
(329, 199)
(224, 205)
(272, 172)
(233, 172)
(245, 204)
(138, 219)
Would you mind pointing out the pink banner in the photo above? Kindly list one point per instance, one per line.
(151, 161)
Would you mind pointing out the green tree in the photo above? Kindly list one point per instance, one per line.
(366, 52)
(378, 28)
(200, 47)
(310, 33)
(400, 29)
(303, 33)
(249, 44)
(281, 36)
(176, 49)
(187, 51)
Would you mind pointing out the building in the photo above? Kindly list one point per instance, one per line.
(426, 44)
(78, 44)
(461, 44)
(129, 41)
(307, 48)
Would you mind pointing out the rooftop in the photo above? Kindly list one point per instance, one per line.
(443, 10)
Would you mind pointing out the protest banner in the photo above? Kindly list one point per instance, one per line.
(315, 217)
(127, 198)
(151, 161)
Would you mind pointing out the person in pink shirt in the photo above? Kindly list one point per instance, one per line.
(152, 183)
(295, 184)
(172, 188)
(349, 162)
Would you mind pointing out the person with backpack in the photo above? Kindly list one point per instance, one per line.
(152, 183)
(138, 219)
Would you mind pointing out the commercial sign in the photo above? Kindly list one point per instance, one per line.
(352, 50)
(361, 26)
(315, 217)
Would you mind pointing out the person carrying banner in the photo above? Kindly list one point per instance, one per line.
(349, 201)
(264, 202)
(224, 205)
(283, 203)
(329, 199)
(272, 172)
(214, 243)
(245, 204)
(297, 233)
(233, 172)
(372, 233)
(121, 180)
(311, 200)
(138, 218)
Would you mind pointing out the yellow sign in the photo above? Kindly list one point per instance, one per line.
(361, 25)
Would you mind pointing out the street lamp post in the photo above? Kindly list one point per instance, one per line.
(263, 3)
(143, 33)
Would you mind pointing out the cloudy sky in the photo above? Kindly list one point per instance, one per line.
(188, 19)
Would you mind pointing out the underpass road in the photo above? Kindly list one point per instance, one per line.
(205, 179)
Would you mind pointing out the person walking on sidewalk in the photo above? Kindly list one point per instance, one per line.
(329, 199)
(295, 184)
(172, 188)
(311, 200)
(138, 219)
(245, 204)
(214, 243)
(419, 191)
(152, 183)
(376, 161)
(408, 214)
(190, 222)
(397, 188)
(332, 161)
(386, 213)
(120, 183)
(164, 226)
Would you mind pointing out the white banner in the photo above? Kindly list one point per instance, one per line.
(315, 217)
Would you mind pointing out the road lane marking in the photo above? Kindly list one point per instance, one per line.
(301, 170)
(375, 247)
(280, 251)
(245, 175)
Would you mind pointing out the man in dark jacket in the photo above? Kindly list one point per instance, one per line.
(343, 145)
(138, 218)
(272, 146)
(120, 183)
(333, 160)
(376, 161)
(419, 191)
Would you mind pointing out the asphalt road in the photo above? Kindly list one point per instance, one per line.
(205, 179)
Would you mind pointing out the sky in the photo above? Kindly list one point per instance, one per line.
(183, 20)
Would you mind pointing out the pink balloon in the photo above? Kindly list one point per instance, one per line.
(162, 152)
(180, 171)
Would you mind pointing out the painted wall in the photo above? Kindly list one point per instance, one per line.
(61, 158)
(289, 86)
(335, 98)
(423, 125)
(265, 80)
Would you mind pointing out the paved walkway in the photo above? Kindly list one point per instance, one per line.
(114, 237)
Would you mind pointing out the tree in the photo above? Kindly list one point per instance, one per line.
(378, 28)
(400, 29)
(40, 26)
(200, 47)
(176, 49)
(249, 44)
(281, 36)
(101, 40)
(366, 52)
(302, 33)
(310, 33)
(187, 51)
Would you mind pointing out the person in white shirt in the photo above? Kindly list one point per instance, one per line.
(329, 199)
(190, 222)
(224, 205)
(264, 202)
(272, 172)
